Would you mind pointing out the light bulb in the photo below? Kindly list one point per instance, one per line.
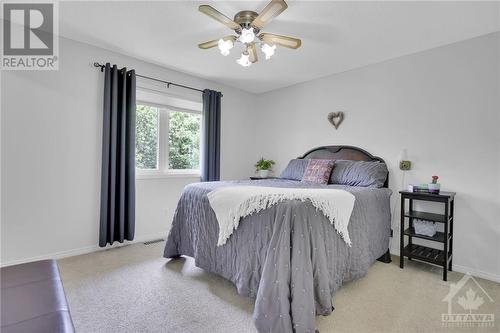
(225, 46)
(268, 50)
(247, 35)
(244, 60)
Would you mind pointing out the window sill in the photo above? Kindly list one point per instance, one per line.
(167, 175)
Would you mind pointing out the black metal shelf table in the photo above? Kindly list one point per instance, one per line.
(441, 257)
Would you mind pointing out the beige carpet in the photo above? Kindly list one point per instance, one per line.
(134, 289)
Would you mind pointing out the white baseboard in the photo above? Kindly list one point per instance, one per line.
(140, 239)
(463, 269)
(476, 273)
(82, 250)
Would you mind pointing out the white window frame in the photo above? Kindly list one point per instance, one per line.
(165, 104)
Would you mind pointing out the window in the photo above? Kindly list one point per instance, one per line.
(147, 128)
(167, 139)
(184, 141)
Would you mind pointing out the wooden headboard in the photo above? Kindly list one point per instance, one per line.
(343, 153)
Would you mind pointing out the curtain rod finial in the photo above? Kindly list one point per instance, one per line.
(96, 64)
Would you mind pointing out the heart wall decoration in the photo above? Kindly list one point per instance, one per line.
(336, 118)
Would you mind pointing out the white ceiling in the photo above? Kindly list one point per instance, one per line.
(336, 36)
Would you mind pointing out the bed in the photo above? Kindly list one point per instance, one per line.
(288, 257)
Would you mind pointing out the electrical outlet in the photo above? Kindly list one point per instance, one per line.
(405, 165)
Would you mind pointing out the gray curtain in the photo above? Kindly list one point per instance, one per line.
(117, 222)
(210, 160)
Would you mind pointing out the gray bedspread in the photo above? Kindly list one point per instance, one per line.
(289, 257)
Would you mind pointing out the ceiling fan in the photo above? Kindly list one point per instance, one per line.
(247, 25)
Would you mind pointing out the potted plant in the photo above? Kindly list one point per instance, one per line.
(263, 167)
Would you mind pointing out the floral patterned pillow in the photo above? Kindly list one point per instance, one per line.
(318, 171)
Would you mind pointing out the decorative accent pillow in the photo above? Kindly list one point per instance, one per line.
(318, 171)
(295, 169)
(359, 173)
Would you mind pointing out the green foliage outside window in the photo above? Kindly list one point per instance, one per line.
(184, 140)
(146, 146)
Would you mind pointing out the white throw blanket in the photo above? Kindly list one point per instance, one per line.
(230, 204)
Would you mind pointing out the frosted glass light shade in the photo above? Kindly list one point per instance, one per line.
(268, 50)
(244, 60)
(225, 46)
(247, 35)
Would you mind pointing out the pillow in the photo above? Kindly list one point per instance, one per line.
(318, 171)
(295, 169)
(359, 173)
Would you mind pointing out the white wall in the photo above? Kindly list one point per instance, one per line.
(442, 105)
(51, 151)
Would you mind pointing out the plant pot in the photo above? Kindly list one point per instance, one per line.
(263, 173)
(434, 188)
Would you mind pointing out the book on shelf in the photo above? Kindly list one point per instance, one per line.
(419, 188)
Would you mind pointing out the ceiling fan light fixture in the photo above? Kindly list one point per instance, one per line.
(247, 29)
(225, 46)
(268, 50)
(247, 35)
(244, 60)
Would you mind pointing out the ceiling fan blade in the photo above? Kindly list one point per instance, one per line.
(209, 44)
(252, 52)
(213, 43)
(273, 9)
(290, 42)
(218, 16)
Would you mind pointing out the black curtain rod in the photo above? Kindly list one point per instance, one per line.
(96, 64)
